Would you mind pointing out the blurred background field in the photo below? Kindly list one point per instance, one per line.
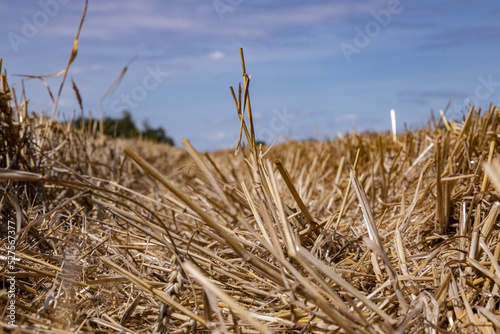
(325, 67)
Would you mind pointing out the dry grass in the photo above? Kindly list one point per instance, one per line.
(363, 234)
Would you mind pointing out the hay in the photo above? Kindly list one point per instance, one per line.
(368, 233)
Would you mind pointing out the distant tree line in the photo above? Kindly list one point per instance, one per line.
(125, 127)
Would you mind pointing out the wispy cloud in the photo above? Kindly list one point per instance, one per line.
(425, 98)
(462, 36)
(179, 28)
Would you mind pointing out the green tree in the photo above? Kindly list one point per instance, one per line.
(125, 127)
(158, 135)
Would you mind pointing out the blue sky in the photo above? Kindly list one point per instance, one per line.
(319, 68)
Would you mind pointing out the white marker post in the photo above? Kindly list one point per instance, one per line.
(393, 119)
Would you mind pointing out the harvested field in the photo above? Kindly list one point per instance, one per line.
(368, 233)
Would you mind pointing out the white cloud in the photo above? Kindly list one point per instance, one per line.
(221, 135)
(257, 116)
(216, 55)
